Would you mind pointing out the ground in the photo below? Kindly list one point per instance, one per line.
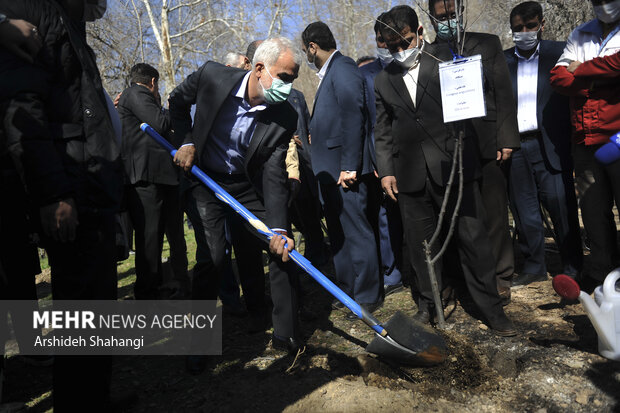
(551, 366)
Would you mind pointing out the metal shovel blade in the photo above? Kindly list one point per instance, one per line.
(409, 342)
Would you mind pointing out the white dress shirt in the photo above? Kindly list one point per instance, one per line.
(411, 80)
(527, 88)
(321, 73)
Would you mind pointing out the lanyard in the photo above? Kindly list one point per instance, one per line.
(455, 56)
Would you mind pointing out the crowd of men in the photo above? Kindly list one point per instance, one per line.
(373, 157)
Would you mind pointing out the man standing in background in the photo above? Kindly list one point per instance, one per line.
(342, 165)
(153, 198)
(588, 72)
(542, 171)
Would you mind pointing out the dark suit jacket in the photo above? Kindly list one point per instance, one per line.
(208, 88)
(55, 116)
(298, 101)
(413, 140)
(498, 129)
(338, 124)
(145, 160)
(370, 72)
(552, 111)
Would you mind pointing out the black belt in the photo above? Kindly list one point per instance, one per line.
(528, 136)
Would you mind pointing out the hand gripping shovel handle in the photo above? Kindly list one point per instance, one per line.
(268, 234)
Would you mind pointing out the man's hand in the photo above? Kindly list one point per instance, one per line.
(20, 38)
(185, 157)
(276, 246)
(388, 183)
(59, 220)
(503, 154)
(298, 141)
(117, 99)
(347, 179)
(573, 66)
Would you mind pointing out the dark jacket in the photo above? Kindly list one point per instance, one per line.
(338, 126)
(145, 160)
(208, 88)
(552, 111)
(413, 142)
(370, 72)
(498, 129)
(56, 122)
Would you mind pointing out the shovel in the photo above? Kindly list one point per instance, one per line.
(402, 339)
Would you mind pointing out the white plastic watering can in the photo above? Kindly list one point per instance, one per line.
(604, 312)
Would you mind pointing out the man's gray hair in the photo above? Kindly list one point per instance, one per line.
(232, 59)
(271, 49)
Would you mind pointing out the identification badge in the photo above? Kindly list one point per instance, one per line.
(462, 92)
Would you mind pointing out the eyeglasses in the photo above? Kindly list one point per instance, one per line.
(530, 25)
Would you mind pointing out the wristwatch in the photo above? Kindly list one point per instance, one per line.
(2, 18)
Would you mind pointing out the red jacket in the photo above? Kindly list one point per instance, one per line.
(594, 91)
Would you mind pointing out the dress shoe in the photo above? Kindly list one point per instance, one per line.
(371, 308)
(525, 279)
(289, 344)
(391, 289)
(504, 294)
(422, 316)
(503, 328)
(337, 305)
(195, 364)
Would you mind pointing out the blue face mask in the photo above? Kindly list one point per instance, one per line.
(447, 30)
(278, 91)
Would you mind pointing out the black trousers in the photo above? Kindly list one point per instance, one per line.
(84, 270)
(420, 211)
(18, 255)
(154, 209)
(598, 189)
(208, 216)
(495, 199)
(305, 213)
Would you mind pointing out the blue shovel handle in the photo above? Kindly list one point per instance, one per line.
(268, 234)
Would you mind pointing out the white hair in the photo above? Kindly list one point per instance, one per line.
(269, 51)
(232, 59)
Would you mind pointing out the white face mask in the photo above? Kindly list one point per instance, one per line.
(385, 55)
(311, 64)
(526, 40)
(94, 9)
(407, 58)
(608, 13)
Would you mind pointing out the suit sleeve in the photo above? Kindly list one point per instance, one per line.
(601, 67)
(180, 102)
(28, 136)
(383, 136)
(147, 110)
(274, 186)
(349, 90)
(565, 83)
(507, 126)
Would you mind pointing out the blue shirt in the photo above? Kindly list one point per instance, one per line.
(232, 131)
